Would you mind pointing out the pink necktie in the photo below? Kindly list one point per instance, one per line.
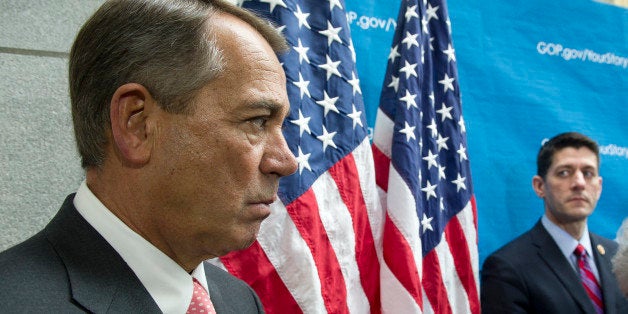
(588, 279)
(200, 301)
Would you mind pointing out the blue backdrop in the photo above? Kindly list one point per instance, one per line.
(527, 71)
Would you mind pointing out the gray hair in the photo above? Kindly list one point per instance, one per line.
(165, 45)
(620, 260)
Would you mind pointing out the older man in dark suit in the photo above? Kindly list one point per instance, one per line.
(558, 266)
(177, 108)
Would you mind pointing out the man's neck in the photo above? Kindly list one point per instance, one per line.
(574, 228)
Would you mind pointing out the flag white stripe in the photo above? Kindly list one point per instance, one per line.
(337, 220)
(289, 254)
(400, 210)
(384, 128)
(466, 219)
(363, 156)
(457, 295)
(395, 298)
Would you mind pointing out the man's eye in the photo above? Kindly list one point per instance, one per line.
(563, 173)
(259, 122)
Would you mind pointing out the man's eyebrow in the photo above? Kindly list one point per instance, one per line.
(268, 105)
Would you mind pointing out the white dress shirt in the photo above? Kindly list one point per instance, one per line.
(568, 244)
(168, 283)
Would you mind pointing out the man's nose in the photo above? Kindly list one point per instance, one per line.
(278, 159)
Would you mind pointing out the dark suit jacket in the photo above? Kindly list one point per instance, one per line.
(531, 275)
(68, 267)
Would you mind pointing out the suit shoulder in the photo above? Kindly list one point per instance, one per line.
(32, 268)
(221, 276)
(27, 254)
(514, 249)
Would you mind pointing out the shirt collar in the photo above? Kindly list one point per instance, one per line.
(168, 284)
(564, 240)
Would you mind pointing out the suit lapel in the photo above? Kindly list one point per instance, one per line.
(604, 269)
(99, 278)
(551, 255)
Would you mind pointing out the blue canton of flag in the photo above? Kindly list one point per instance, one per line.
(326, 120)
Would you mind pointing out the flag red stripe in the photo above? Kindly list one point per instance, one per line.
(433, 284)
(253, 266)
(462, 259)
(382, 168)
(304, 212)
(347, 179)
(399, 258)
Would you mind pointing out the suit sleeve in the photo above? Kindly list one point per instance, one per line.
(502, 289)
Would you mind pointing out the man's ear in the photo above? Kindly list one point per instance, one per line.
(538, 184)
(128, 112)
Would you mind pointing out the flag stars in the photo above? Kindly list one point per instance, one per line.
(411, 12)
(356, 116)
(459, 182)
(409, 99)
(274, 3)
(327, 139)
(441, 142)
(447, 83)
(441, 172)
(302, 84)
(426, 223)
(302, 51)
(331, 67)
(424, 23)
(279, 29)
(410, 40)
(445, 112)
(450, 52)
(333, 4)
(303, 160)
(328, 103)
(302, 18)
(408, 131)
(352, 49)
(430, 190)
(432, 126)
(331, 33)
(431, 12)
(462, 152)
(394, 54)
(431, 160)
(409, 69)
(448, 22)
(303, 123)
(394, 82)
(463, 129)
(355, 83)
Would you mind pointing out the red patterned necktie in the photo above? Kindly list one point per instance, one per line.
(588, 279)
(200, 301)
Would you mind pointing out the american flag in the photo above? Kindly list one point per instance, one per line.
(319, 251)
(422, 166)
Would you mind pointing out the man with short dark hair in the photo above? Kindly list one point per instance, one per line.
(178, 108)
(558, 266)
